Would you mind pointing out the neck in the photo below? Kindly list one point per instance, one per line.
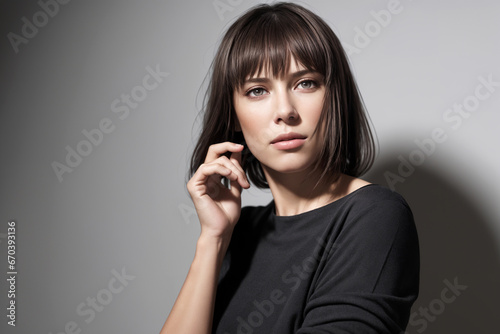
(296, 193)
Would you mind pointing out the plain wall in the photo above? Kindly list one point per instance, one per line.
(124, 206)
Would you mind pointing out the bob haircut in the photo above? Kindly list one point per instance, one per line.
(267, 37)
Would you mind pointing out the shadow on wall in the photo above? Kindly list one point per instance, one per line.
(460, 267)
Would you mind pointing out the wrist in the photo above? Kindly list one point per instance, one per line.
(210, 251)
(217, 243)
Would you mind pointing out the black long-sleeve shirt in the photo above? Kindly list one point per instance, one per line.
(351, 266)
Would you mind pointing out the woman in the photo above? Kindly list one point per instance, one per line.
(331, 253)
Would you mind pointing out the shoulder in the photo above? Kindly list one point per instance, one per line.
(374, 196)
(374, 210)
(374, 228)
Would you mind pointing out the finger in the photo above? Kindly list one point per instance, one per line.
(216, 150)
(207, 170)
(212, 188)
(236, 160)
(236, 169)
(221, 167)
(235, 189)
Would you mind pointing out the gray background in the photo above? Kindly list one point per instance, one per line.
(125, 205)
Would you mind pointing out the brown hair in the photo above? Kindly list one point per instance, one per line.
(266, 38)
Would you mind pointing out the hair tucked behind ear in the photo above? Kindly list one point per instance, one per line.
(267, 37)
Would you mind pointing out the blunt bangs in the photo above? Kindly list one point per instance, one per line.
(265, 40)
(268, 41)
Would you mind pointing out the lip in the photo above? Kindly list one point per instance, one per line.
(288, 141)
(288, 136)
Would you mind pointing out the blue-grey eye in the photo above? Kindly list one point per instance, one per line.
(307, 84)
(257, 91)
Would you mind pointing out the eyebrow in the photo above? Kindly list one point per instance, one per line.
(293, 76)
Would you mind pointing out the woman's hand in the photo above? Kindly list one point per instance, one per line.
(218, 207)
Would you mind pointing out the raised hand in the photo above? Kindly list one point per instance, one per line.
(218, 207)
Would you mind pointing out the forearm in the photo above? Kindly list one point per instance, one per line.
(193, 310)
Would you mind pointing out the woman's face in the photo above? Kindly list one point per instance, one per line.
(278, 118)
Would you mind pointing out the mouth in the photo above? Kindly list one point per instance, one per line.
(288, 136)
(288, 141)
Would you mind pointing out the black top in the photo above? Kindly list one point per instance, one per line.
(351, 266)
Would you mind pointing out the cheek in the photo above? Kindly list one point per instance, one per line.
(257, 136)
(254, 133)
(251, 124)
(317, 106)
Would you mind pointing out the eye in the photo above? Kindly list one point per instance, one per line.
(307, 84)
(256, 92)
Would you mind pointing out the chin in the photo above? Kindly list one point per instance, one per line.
(290, 166)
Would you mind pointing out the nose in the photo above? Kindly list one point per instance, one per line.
(285, 108)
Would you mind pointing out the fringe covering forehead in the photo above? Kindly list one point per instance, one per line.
(269, 43)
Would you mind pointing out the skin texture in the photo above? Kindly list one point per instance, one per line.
(218, 210)
(265, 108)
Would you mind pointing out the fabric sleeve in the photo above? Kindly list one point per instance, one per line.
(368, 279)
